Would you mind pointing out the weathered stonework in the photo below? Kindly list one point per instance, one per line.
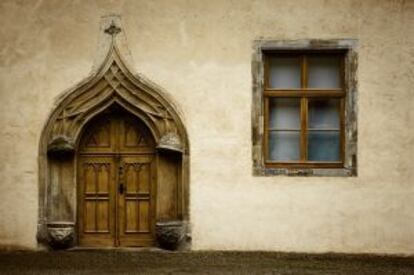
(61, 146)
(112, 83)
(61, 235)
(170, 234)
(170, 142)
(351, 107)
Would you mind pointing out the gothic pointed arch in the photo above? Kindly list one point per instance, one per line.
(111, 83)
(115, 84)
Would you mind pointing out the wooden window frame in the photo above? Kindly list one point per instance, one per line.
(346, 49)
(304, 94)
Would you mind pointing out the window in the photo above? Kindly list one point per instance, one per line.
(303, 98)
(304, 111)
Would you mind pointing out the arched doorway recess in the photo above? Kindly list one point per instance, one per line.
(157, 143)
(116, 182)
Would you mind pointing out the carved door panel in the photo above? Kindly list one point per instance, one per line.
(136, 201)
(116, 183)
(97, 202)
(134, 138)
(100, 138)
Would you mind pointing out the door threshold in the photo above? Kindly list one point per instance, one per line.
(110, 248)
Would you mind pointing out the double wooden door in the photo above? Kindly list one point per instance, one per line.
(116, 183)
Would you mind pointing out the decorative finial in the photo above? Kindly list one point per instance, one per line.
(113, 29)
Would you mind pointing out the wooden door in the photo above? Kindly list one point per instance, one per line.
(116, 183)
(135, 201)
(97, 205)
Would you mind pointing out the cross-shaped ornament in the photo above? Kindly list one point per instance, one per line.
(113, 29)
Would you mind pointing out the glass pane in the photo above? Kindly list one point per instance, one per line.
(284, 72)
(284, 145)
(323, 146)
(324, 72)
(284, 113)
(324, 113)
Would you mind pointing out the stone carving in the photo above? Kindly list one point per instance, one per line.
(113, 29)
(60, 146)
(114, 86)
(60, 235)
(170, 142)
(170, 234)
(111, 83)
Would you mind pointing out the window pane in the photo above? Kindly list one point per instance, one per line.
(284, 72)
(284, 145)
(323, 146)
(324, 113)
(324, 72)
(284, 113)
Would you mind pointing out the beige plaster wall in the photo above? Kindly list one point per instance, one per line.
(200, 52)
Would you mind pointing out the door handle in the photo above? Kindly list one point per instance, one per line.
(121, 188)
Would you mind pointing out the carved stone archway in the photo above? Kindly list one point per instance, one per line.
(111, 83)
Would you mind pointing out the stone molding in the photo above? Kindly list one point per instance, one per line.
(112, 82)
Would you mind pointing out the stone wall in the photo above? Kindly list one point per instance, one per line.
(200, 52)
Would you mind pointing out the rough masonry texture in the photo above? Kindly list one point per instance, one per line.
(200, 52)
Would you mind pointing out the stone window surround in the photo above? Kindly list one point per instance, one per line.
(351, 58)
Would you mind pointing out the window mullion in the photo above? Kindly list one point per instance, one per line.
(304, 126)
(304, 110)
(304, 72)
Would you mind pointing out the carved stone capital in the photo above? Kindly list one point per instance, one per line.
(170, 234)
(61, 146)
(60, 235)
(170, 142)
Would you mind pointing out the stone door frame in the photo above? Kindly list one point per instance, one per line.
(111, 82)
